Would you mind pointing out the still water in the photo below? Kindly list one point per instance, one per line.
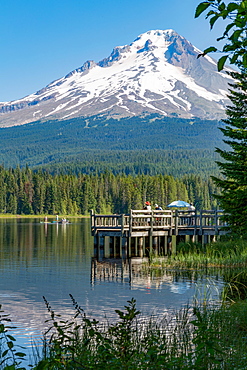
(54, 260)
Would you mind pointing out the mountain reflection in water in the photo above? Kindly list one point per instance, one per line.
(55, 261)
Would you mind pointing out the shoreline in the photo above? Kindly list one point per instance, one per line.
(8, 215)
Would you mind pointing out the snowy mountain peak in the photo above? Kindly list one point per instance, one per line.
(159, 72)
(158, 37)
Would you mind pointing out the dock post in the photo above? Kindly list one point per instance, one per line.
(155, 245)
(195, 226)
(169, 245)
(192, 238)
(136, 246)
(129, 246)
(122, 225)
(114, 246)
(130, 222)
(92, 219)
(201, 223)
(124, 247)
(174, 244)
(165, 245)
(206, 239)
(216, 222)
(118, 246)
(101, 247)
(140, 247)
(107, 247)
(96, 246)
(176, 222)
(151, 234)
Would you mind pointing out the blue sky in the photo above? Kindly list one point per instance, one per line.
(42, 40)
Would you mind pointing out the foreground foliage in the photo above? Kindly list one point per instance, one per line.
(202, 337)
(235, 33)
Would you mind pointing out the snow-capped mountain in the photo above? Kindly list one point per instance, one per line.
(157, 73)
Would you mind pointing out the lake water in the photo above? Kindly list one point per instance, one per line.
(54, 260)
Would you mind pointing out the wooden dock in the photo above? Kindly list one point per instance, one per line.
(142, 232)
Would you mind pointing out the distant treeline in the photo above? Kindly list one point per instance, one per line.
(147, 162)
(24, 191)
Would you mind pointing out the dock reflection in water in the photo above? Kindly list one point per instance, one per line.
(55, 261)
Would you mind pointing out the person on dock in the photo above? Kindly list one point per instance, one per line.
(191, 208)
(147, 206)
(191, 211)
(158, 208)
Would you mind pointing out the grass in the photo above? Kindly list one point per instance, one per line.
(220, 254)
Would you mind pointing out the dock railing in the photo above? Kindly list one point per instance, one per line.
(159, 220)
(155, 218)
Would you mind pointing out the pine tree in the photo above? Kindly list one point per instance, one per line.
(233, 198)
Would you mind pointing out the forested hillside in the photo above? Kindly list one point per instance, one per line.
(24, 191)
(148, 145)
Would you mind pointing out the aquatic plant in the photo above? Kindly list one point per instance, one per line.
(10, 355)
(199, 337)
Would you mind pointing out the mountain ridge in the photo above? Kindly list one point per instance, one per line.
(159, 72)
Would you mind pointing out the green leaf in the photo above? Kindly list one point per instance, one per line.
(10, 367)
(222, 7)
(201, 7)
(235, 35)
(221, 62)
(234, 58)
(211, 49)
(211, 12)
(228, 27)
(243, 4)
(10, 337)
(245, 60)
(232, 6)
(10, 345)
(213, 20)
(4, 353)
(224, 14)
(91, 332)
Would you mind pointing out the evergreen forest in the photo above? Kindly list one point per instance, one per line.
(26, 191)
(149, 145)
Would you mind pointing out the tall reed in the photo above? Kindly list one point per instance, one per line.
(227, 253)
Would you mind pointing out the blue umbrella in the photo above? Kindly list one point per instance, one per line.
(179, 204)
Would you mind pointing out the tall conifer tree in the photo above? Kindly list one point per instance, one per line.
(233, 198)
